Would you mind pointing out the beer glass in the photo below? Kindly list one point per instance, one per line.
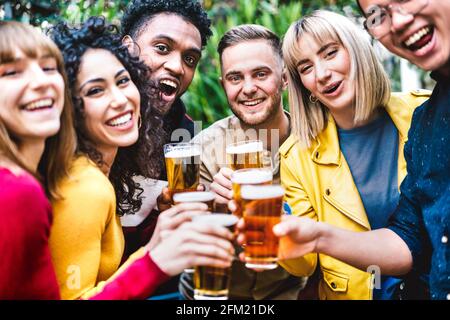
(205, 197)
(195, 196)
(262, 208)
(182, 166)
(211, 283)
(251, 176)
(245, 154)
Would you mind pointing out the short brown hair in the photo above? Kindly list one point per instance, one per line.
(249, 32)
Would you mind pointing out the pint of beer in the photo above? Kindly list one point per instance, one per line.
(211, 283)
(251, 176)
(245, 154)
(262, 209)
(182, 166)
(196, 196)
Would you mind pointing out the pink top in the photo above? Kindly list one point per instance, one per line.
(26, 270)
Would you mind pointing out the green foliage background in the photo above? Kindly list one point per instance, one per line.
(205, 98)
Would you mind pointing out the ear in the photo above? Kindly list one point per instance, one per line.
(128, 42)
(284, 79)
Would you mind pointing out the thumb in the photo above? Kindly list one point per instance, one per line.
(166, 194)
(283, 228)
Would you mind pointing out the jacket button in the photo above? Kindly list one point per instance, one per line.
(444, 239)
(327, 192)
(333, 285)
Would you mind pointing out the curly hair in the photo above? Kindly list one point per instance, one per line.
(140, 12)
(130, 161)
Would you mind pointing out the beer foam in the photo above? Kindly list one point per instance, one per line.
(253, 146)
(220, 219)
(251, 176)
(183, 153)
(249, 192)
(196, 196)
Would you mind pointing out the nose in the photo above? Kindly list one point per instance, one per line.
(249, 87)
(118, 98)
(38, 79)
(399, 20)
(174, 64)
(323, 73)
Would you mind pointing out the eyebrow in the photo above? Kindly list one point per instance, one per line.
(172, 41)
(232, 73)
(258, 68)
(322, 49)
(118, 73)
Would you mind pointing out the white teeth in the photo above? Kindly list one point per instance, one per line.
(120, 121)
(169, 83)
(39, 104)
(417, 36)
(252, 103)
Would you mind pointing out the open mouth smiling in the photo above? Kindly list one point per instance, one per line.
(39, 105)
(252, 103)
(168, 87)
(419, 39)
(120, 120)
(332, 88)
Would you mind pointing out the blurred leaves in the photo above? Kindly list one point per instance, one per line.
(205, 99)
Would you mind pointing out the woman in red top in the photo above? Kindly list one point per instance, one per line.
(31, 114)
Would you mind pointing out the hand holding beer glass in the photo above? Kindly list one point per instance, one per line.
(245, 154)
(210, 282)
(195, 197)
(240, 155)
(262, 208)
(249, 176)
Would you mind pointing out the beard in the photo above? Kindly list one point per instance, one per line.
(260, 118)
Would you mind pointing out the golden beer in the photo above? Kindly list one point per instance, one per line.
(205, 197)
(211, 283)
(245, 154)
(262, 209)
(251, 176)
(182, 166)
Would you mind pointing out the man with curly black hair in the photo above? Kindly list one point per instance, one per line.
(169, 37)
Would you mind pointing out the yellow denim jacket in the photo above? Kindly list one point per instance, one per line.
(319, 185)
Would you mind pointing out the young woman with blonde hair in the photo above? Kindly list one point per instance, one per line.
(35, 114)
(343, 163)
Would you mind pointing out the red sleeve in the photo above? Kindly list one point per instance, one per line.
(26, 269)
(138, 236)
(135, 280)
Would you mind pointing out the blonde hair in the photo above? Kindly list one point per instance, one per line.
(60, 148)
(372, 86)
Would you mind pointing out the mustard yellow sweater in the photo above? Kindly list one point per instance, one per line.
(86, 240)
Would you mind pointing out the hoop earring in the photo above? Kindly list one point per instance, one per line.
(313, 99)
(139, 122)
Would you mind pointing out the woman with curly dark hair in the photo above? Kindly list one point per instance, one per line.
(112, 109)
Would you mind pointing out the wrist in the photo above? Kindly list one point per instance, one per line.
(322, 235)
